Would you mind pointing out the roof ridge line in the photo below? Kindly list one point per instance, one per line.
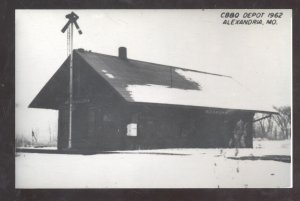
(168, 66)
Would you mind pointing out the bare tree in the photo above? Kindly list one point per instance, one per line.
(264, 127)
(283, 120)
(278, 126)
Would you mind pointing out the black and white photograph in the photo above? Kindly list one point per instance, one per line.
(108, 98)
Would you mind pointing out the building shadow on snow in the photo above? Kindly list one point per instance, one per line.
(89, 152)
(279, 158)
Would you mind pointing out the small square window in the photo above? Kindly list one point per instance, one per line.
(132, 129)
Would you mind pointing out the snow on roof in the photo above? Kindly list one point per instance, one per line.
(215, 91)
(144, 82)
(108, 74)
(138, 81)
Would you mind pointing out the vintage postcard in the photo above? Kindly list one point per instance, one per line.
(153, 98)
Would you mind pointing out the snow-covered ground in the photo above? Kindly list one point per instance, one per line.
(160, 168)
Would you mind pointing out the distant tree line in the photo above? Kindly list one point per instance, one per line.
(276, 127)
(33, 140)
(22, 142)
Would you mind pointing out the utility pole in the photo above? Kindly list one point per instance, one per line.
(69, 26)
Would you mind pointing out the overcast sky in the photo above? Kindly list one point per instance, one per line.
(258, 56)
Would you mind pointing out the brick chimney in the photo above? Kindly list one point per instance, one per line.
(123, 53)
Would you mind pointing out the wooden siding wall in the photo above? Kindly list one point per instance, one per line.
(166, 127)
(100, 120)
(104, 127)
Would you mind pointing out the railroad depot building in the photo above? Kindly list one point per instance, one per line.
(121, 103)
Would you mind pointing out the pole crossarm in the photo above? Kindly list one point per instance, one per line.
(72, 20)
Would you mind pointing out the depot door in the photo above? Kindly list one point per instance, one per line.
(63, 129)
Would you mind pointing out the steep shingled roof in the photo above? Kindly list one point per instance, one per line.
(144, 82)
(138, 81)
